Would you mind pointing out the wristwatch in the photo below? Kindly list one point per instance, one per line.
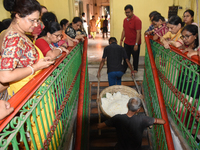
(136, 43)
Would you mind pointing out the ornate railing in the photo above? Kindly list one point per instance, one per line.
(44, 107)
(180, 83)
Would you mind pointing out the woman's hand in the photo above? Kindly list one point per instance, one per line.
(166, 44)
(43, 63)
(64, 50)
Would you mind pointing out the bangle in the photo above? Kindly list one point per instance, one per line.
(59, 49)
(136, 43)
(132, 72)
(31, 69)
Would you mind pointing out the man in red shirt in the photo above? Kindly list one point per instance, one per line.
(132, 33)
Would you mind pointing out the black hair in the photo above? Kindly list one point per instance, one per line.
(2, 27)
(21, 7)
(92, 16)
(77, 19)
(112, 39)
(175, 20)
(153, 13)
(194, 30)
(7, 22)
(48, 17)
(106, 16)
(83, 14)
(157, 17)
(191, 12)
(52, 27)
(128, 7)
(63, 22)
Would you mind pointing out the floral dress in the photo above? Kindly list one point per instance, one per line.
(18, 52)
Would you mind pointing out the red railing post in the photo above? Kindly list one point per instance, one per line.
(81, 97)
(163, 110)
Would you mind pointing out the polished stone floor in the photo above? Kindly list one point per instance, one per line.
(95, 52)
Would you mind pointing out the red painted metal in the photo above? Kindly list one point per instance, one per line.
(81, 97)
(163, 110)
(24, 94)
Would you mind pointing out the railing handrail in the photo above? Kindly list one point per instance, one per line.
(81, 97)
(163, 110)
(195, 59)
(24, 94)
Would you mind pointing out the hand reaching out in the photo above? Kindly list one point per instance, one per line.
(5, 109)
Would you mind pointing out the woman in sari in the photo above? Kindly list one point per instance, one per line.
(72, 29)
(18, 54)
(20, 59)
(160, 26)
(172, 37)
(188, 82)
(51, 34)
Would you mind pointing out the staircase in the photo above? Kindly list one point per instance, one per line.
(108, 138)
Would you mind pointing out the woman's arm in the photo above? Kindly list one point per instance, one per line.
(17, 74)
(177, 44)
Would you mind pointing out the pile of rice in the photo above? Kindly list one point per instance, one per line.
(115, 104)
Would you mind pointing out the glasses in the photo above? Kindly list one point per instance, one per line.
(32, 21)
(185, 37)
(59, 35)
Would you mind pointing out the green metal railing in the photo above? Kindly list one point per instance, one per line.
(43, 121)
(180, 82)
(153, 106)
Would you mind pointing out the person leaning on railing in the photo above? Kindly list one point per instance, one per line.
(150, 30)
(52, 33)
(160, 26)
(20, 59)
(190, 39)
(71, 31)
(172, 37)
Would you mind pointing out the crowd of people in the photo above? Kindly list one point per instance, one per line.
(181, 33)
(19, 53)
(30, 41)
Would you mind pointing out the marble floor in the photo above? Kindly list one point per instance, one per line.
(95, 52)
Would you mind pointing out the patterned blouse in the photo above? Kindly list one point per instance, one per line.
(17, 52)
(70, 32)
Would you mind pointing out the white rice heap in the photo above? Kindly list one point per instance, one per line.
(115, 104)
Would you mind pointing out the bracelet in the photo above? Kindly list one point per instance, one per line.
(31, 69)
(59, 49)
(132, 72)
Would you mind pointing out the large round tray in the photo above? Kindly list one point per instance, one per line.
(125, 90)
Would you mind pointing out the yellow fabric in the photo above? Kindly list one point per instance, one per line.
(93, 34)
(173, 37)
(14, 87)
(47, 124)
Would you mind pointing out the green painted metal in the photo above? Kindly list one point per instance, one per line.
(31, 127)
(180, 83)
(157, 131)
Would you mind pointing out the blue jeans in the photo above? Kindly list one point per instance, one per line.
(115, 77)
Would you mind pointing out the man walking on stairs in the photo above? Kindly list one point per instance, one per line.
(115, 55)
(130, 126)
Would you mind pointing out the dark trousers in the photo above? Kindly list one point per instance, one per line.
(130, 50)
